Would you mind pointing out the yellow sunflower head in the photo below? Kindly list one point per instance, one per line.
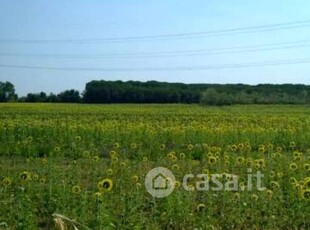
(306, 194)
(105, 185)
(76, 189)
(292, 144)
(162, 146)
(135, 178)
(211, 160)
(269, 193)
(236, 196)
(307, 167)
(144, 159)
(133, 146)
(25, 176)
(240, 160)
(6, 182)
(307, 182)
(293, 166)
(293, 181)
(116, 145)
(200, 207)
(109, 171)
(175, 167)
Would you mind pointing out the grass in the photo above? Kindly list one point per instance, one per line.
(54, 157)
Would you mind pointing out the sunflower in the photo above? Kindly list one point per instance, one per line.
(206, 171)
(200, 207)
(211, 160)
(236, 196)
(240, 146)
(57, 149)
(293, 181)
(278, 154)
(25, 176)
(269, 193)
(248, 147)
(175, 167)
(135, 178)
(298, 158)
(261, 149)
(114, 159)
(174, 158)
(171, 155)
(249, 163)
(306, 194)
(144, 159)
(280, 174)
(261, 162)
(182, 155)
(272, 174)
(190, 147)
(177, 184)
(138, 185)
(113, 153)
(78, 138)
(255, 197)
(292, 144)
(44, 160)
(274, 185)
(76, 189)
(7, 182)
(293, 166)
(307, 167)
(96, 158)
(240, 160)
(116, 145)
(162, 146)
(98, 197)
(35, 177)
(133, 146)
(105, 185)
(109, 172)
(270, 146)
(234, 147)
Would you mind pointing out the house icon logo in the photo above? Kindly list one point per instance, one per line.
(159, 182)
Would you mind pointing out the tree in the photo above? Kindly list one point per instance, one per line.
(212, 97)
(7, 92)
(72, 96)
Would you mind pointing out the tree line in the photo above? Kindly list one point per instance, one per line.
(162, 92)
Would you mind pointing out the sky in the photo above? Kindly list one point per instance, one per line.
(80, 41)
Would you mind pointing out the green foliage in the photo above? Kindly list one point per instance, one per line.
(54, 156)
(212, 97)
(7, 92)
(67, 96)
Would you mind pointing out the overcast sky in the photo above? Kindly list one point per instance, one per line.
(44, 33)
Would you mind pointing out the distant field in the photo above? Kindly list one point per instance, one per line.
(88, 162)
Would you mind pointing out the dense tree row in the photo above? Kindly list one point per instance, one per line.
(162, 92)
(140, 92)
(72, 96)
(207, 94)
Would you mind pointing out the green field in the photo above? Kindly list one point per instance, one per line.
(88, 163)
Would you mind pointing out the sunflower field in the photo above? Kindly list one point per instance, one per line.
(69, 166)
